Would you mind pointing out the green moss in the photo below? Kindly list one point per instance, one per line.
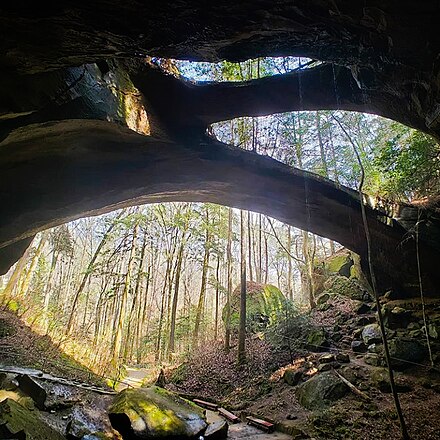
(158, 412)
(13, 305)
(346, 287)
(339, 264)
(15, 418)
(264, 305)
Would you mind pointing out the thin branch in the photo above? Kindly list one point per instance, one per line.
(405, 435)
(422, 298)
(282, 245)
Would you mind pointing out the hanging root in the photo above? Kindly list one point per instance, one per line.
(404, 431)
(422, 298)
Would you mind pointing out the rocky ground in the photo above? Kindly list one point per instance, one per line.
(334, 385)
(317, 376)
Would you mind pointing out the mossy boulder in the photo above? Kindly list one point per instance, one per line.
(350, 288)
(153, 412)
(405, 352)
(380, 379)
(265, 304)
(16, 421)
(339, 264)
(321, 390)
(317, 340)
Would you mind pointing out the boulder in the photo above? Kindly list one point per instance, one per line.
(373, 359)
(432, 331)
(321, 390)
(327, 358)
(375, 348)
(76, 429)
(293, 377)
(264, 304)
(329, 366)
(324, 307)
(405, 352)
(153, 412)
(396, 317)
(33, 389)
(317, 340)
(216, 431)
(343, 358)
(362, 308)
(347, 287)
(17, 422)
(381, 380)
(339, 264)
(46, 395)
(371, 334)
(323, 298)
(8, 382)
(358, 347)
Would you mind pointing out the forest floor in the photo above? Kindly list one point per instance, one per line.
(21, 346)
(260, 387)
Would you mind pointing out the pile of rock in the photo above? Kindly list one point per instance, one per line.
(33, 408)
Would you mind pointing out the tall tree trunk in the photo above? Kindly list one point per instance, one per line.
(260, 250)
(324, 163)
(171, 343)
(217, 297)
(89, 270)
(289, 265)
(157, 355)
(201, 303)
(162, 317)
(135, 305)
(229, 288)
(48, 291)
(29, 273)
(242, 329)
(251, 276)
(266, 260)
(124, 299)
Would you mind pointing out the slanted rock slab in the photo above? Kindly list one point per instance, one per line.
(153, 412)
(18, 422)
(217, 431)
(33, 389)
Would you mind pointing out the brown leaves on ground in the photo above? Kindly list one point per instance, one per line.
(22, 347)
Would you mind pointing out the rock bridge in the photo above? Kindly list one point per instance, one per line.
(66, 150)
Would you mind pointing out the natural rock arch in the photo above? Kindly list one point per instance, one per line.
(379, 59)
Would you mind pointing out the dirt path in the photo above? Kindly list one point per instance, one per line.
(134, 378)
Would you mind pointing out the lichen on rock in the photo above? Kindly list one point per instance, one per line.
(153, 412)
(264, 305)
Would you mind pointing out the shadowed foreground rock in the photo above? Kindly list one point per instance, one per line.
(18, 422)
(150, 413)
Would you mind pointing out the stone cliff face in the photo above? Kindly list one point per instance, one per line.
(69, 71)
